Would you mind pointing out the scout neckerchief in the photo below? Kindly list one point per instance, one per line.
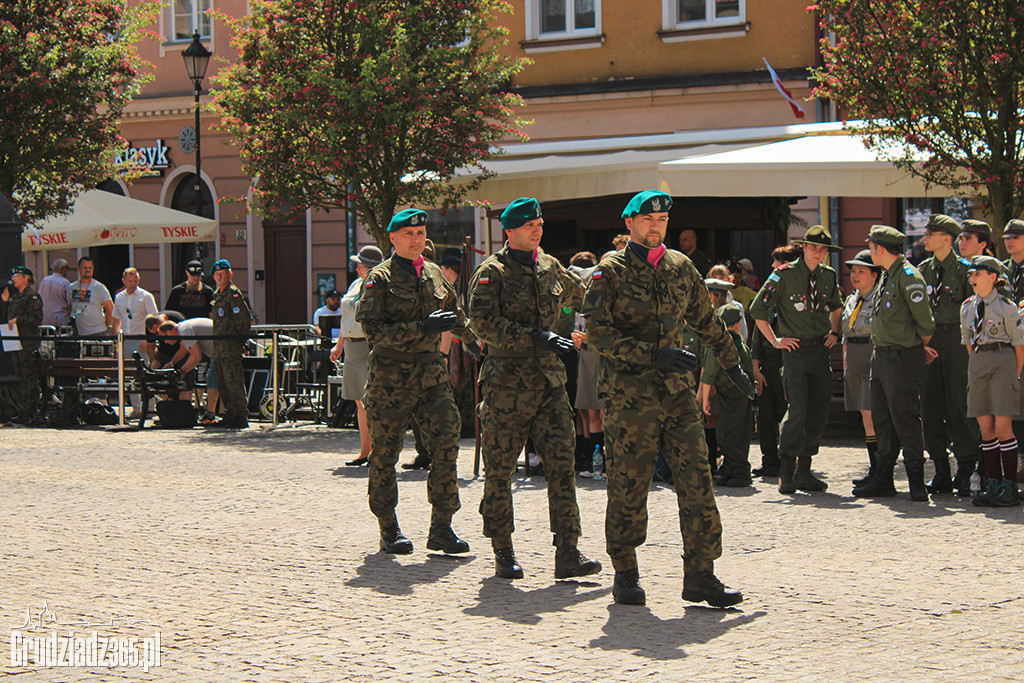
(812, 290)
(979, 320)
(938, 285)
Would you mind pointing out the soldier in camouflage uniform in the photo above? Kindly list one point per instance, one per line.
(23, 309)
(637, 306)
(230, 315)
(517, 299)
(900, 332)
(1013, 238)
(404, 306)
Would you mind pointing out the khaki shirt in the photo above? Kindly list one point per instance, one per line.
(1002, 321)
(230, 315)
(903, 315)
(955, 287)
(632, 309)
(786, 290)
(857, 321)
(507, 302)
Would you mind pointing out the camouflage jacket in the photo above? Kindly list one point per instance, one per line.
(27, 308)
(230, 315)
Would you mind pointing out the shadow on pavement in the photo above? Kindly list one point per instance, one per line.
(502, 599)
(828, 500)
(638, 630)
(385, 574)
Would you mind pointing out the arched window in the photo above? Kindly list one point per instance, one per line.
(184, 199)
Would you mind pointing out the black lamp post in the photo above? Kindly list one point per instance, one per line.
(197, 58)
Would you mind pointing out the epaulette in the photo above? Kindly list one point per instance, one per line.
(908, 269)
(964, 261)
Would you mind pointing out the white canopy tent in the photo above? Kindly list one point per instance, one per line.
(99, 218)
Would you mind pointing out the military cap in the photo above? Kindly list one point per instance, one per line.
(863, 258)
(519, 213)
(1014, 227)
(939, 222)
(886, 236)
(818, 234)
(989, 263)
(716, 285)
(222, 264)
(980, 228)
(648, 201)
(453, 262)
(368, 256)
(195, 267)
(408, 217)
(21, 269)
(730, 315)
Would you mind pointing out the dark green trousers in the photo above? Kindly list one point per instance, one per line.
(896, 376)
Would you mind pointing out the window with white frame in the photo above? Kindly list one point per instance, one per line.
(187, 17)
(563, 18)
(696, 13)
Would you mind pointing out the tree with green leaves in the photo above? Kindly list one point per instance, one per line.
(944, 78)
(377, 103)
(68, 69)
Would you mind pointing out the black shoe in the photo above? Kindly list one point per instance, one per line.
(627, 590)
(940, 484)
(506, 566)
(918, 491)
(421, 462)
(880, 486)
(766, 471)
(444, 539)
(358, 462)
(393, 541)
(805, 479)
(787, 470)
(570, 562)
(720, 478)
(863, 480)
(705, 587)
(738, 482)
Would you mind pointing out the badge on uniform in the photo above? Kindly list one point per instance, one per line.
(888, 304)
(994, 330)
(220, 311)
(917, 297)
(799, 305)
(774, 277)
(596, 275)
(485, 280)
(907, 269)
(235, 309)
(369, 283)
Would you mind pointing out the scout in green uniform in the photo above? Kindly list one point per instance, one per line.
(404, 306)
(805, 294)
(900, 332)
(230, 315)
(637, 307)
(975, 239)
(23, 309)
(518, 298)
(944, 394)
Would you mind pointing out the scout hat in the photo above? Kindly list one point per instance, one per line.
(1014, 227)
(222, 264)
(406, 218)
(989, 263)
(519, 213)
(729, 314)
(648, 201)
(818, 234)
(863, 258)
(21, 269)
(715, 285)
(194, 267)
(368, 256)
(980, 228)
(939, 222)
(886, 236)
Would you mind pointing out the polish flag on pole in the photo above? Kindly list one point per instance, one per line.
(798, 111)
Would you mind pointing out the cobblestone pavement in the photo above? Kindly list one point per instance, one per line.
(256, 558)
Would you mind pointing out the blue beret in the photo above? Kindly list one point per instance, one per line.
(520, 212)
(648, 201)
(220, 265)
(406, 218)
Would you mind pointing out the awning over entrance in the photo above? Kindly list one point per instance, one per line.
(99, 218)
(808, 166)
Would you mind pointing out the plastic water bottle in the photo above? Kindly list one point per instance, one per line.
(975, 484)
(597, 464)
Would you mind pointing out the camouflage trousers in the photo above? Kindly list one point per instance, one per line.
(26, 367)
(230, 380)
(635, 430)
(508, 416)
(388, 410)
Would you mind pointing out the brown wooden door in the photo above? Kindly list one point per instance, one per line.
(285, 255)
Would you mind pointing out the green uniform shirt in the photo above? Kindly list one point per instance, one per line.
(632, 308)
(1015, 279)
(763, 352)
(715, 376)
(507, 302)
(27, 308)
(787, 290)
(954, 288)
(902, 314)
(230, 315)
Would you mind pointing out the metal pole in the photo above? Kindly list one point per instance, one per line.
(273, 360)
(199, 172)
(120, 377)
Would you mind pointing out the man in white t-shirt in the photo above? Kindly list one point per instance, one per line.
(91, 306)
(332, 305)
(131, 306)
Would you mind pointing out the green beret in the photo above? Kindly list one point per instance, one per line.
(730, 315)
(863, 258)
(519, 213)
(989, 263)
(21, 269)
(980, 228)
(648, 201)
(818, 234)
(938, 222)
(406, 218)
(886, 236)
(1014, 227)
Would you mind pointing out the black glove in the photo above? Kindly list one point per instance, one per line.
(473, 349)
(671, 359)
(438, 322)
(549, 341)
(738, 377)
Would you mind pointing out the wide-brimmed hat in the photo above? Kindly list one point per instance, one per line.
(819, 235)
(368, 256)
(863, 258)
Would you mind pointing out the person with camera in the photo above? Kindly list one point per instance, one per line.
(23, 309)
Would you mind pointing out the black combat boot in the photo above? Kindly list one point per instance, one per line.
(627, 589)
(872, 447)
(805, 479)
(704, 586)
(915, 479)
(570, 562)
(393, 541)
(787, 471)
(879, 486)
(442, 538)
(942, 482)
(962, 480)
(506, 566)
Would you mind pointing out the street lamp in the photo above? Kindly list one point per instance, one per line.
(197, 58)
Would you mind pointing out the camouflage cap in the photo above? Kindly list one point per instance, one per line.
(939, 222)
(989, 263)
(730, 315)
(1014, 227)
(403, 219)
(818, 234)
(648, 201)
(980, 228)
(519, 213)
(886, 235)
(863, 258)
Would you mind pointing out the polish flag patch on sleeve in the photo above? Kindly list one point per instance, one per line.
(484, 280)
(596, 275)
(369, 283)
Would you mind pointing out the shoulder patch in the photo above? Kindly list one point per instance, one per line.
(908, 269)
(964, 261)
(774, 277)
(917, 296)
(596, 275)
(484, 280)
(368, 284)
